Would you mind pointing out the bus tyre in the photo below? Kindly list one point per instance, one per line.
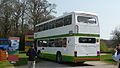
(59, 58)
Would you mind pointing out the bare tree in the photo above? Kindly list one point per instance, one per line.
(17, 16)
(5, 17)
(116, 35)
(17, 7)
(39, 11)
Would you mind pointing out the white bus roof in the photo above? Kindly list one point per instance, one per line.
(83, 12)
(76, 12)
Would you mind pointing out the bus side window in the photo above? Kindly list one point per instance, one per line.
(60, 42)
(60, 22)
(45, 26)
(68, 20)
(41, 28)
(57, 23)
(64, 42)
(52, 42)
(38, 43)
(52, 25)
(54, 22)
(37, 28)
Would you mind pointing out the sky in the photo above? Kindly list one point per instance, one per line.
(108, 12)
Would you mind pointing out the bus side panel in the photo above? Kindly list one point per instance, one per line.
(68, 55)
(66, 52)
(50, 56)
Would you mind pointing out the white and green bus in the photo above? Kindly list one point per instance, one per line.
(73, 37)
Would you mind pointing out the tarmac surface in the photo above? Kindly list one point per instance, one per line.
(90, 64)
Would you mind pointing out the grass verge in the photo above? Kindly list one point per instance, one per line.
(107, 58)
(23, 59)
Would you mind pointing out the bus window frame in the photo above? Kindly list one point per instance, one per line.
(53, 24)
(85, 15)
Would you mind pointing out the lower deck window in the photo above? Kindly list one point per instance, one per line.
(87, 40)
(59, 42)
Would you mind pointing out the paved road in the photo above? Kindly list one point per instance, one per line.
(93, 64)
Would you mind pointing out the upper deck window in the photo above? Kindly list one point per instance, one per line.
(87, 20)
(60, 22)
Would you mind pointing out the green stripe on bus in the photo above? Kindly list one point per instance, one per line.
(68, 35)
(64, 35)
(69, 58)
(91, 35)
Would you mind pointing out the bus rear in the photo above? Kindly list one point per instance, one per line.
(87, 37)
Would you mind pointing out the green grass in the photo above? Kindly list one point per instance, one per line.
(5, 64)
(23, 59)
(107, 58)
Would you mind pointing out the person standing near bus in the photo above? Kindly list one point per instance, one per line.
(116, 55)
(32, 56)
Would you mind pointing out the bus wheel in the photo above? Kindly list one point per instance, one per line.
(59, 58)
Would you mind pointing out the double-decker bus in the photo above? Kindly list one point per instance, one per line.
(73, 37)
